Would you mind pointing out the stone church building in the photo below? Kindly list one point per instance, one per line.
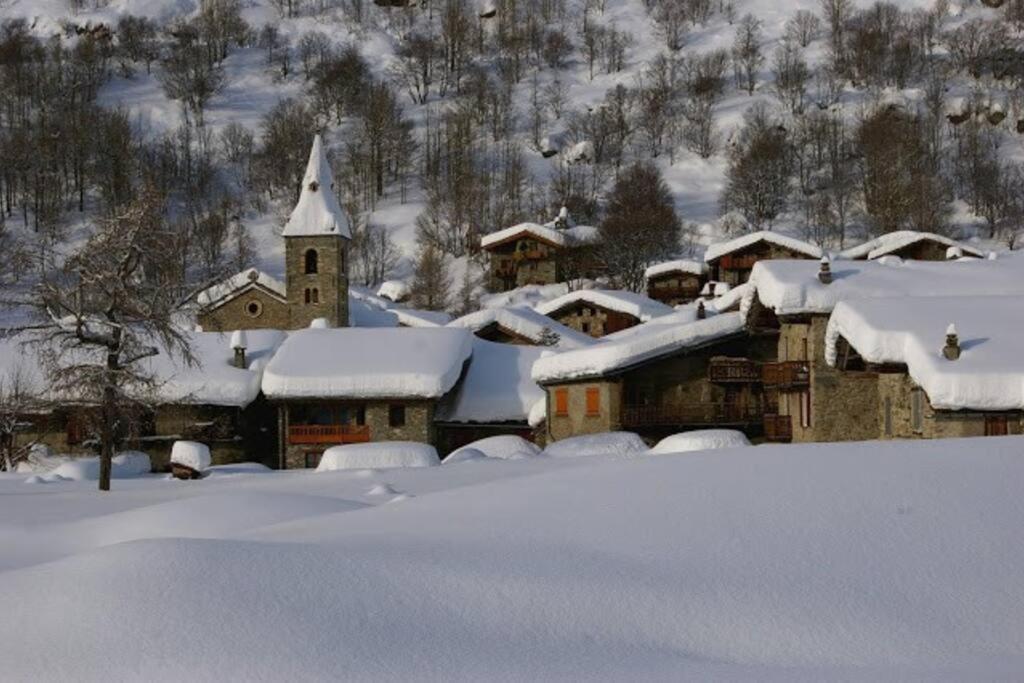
(316, 239)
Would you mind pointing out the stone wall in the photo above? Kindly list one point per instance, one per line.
(253, 310)
(330, 280)
(541, 269)
(577, 422)
(593, 320)
(760, 251)
(923, 250)
(675, 288)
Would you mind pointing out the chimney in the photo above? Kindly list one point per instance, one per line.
(825, 271)
(239, 342)
(701, 313)
(951, 351)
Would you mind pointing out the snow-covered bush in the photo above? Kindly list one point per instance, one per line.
(608, 443)
(701, 440)
(191, 454)
(379, 455)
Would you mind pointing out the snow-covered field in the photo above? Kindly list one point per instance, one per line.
(880, 561)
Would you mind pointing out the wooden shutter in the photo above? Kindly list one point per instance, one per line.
(995, 425)
(561, 402)
(593, 401)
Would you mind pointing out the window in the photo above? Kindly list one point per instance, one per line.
(805, 409)
(585, 328)
(311, 262)
(308, 295)
(316, 295)
(917, 411)
(888, 416)
(561, 402)
(254, 308)
(396, 416)
(593, 401)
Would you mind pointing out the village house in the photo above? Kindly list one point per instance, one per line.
(813, 400)
(533, 254)
(939, 367)
(316, 240)
(338, 386)
(675, 282)
(910, 244)
(659, 380)
(599, 312)
(521, 325)
(731, 262)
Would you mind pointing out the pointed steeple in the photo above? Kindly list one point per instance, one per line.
(317, 211)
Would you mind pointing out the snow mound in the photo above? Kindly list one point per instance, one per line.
(496, 387)
(124, 466)
(191, 454)
(701, 440)
(464, 454)
(608, 443)
(505, 447)
(382, 490)
(132, 463)
(380, 455)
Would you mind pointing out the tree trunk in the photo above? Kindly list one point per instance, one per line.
(107, 424)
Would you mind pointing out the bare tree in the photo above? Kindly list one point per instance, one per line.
(791, 76)
(431, 285)
(760, 169)
(803, 27)
(747, 57)
(18, 399)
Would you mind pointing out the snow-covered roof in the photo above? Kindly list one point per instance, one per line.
(394, 290)
(792, 287)
(317, 211)
(239, 284)
(677, 266)
(368, 363)
(636, 305)
(412, 317)
(547, 233)
(988, 375)
(894, 241)
(525, 322)
(720, 249)
(497, 386)
(662, 340)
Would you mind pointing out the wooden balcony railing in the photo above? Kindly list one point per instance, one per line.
(778, 427)
(792, 374)
(328, 434)
(737, 261)
(734, 371)
(690, 414)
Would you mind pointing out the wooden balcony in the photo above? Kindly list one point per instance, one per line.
(734, 371)
(328, 434)
(792, 374)
(778, 427)
(673, 293)
(737, 261)
(703, 414)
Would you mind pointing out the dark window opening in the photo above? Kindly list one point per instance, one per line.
(308, 295)
(396, 416)
(311, 262)
(316, 295)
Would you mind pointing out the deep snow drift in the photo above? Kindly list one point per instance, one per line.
(875, 561)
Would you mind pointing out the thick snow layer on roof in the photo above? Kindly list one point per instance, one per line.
(988, 375)
(497, 387)
(608, 357)
(364, 313)
(677, 266)
(620, 444)
(792, 287)
(368, 363)
(412, 317)
(701, 440)
(395, 290)
(239, 283)
(720, 249)
(562, 238)
(317, 211)
(379, 455)
(631, 303)
(525, 322)
(894, 241)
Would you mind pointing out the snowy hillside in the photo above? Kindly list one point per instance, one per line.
(881, 561)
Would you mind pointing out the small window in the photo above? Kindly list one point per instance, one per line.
(888, 416)
(593, 401)
(312, 262)
(316, 295)
(585, 328)
(805, 409)
(308, 295)
(396, 416)
(254, 308)
(917, 411)
(561, 402)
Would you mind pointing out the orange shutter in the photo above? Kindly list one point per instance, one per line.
(593, 401)
(561, 402)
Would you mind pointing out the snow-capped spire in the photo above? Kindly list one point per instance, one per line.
(318, 211)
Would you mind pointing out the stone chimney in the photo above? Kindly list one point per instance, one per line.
(825, 271)
(951, 351)
(701, 313)
(239, 342)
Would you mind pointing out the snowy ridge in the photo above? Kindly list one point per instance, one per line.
(659, 341)
(719, 249)
(792, 287)
(368, 363)
(525, 322)
(239, 284)
(317, 211)
(631, 303)
(680, 265)
(894, 241)
(988, 375)
(497, 385)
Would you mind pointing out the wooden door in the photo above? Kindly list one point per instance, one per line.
(995, 425)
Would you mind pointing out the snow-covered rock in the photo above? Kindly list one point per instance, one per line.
(701, 440)
(191, 454)
(626, 444)
(379, 455)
